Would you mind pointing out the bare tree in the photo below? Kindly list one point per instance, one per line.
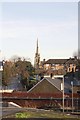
(14, 58)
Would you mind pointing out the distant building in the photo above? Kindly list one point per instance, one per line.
(60, 66)
(37, 57)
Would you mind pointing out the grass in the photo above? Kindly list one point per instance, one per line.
(42, 114)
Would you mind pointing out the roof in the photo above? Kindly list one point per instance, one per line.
(55, 82)
(55, 61)
(62, 61)
(72, 61)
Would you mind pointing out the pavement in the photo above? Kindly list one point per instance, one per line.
(10, 109)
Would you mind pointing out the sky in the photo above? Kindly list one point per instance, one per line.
(54, 24)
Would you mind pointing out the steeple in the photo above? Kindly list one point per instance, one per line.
(37, 57)
(37, 47)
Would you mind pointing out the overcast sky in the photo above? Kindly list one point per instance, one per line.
(55, 24)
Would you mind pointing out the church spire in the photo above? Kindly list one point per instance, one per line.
(37, 57)
(37, 47)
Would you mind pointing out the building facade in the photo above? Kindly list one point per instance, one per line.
(59, 66)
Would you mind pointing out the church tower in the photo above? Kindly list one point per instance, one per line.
(37, 57)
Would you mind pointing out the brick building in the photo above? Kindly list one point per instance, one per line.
(59, 66)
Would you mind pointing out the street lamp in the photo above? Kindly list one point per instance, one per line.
(63, 94)
(72, 94)
(64, 73)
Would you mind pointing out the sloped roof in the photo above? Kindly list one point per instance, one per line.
(62, 61)
(72, 61)
(55, 82)
(56, 61)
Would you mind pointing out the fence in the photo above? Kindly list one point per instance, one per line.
(40, 100)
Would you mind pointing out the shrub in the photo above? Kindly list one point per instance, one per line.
(22, 115)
